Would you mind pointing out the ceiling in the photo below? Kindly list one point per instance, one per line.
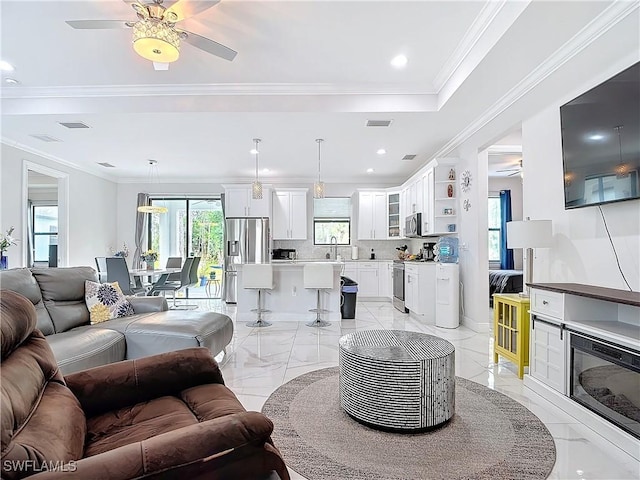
(304, 70)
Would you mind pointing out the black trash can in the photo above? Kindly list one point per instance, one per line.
(348, 294)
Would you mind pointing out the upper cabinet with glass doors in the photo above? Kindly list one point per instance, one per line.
(239, 202)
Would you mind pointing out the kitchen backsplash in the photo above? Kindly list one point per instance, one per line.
(384, 249)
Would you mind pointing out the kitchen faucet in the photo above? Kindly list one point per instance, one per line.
(334, 247)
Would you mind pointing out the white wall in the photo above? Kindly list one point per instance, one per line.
(92, 212)
(515, 185)
(581, 252)
(473, 238)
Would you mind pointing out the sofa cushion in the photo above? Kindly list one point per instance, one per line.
(105, 301)
(150, 334)
(22, 281)
(63, 293)
(87, 347)
(165, 414)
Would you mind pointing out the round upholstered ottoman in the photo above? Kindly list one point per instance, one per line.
(397, 380)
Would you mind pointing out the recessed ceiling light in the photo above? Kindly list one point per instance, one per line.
(253, 151)
(6, 66)
(370, 170)
(381, 151)
(399, 61)
(11, 81)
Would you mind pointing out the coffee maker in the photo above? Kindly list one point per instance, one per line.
(428, 251)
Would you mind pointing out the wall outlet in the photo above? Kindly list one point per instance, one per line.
(294, 291)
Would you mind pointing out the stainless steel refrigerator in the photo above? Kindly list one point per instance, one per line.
(247, 240)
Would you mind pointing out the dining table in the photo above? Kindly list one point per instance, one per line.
(155, 276)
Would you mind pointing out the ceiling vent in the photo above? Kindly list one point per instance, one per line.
(43, 137)
(409, 157)
(106, 164)
(74, 124)
(378, 123)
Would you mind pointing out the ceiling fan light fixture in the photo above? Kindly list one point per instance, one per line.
(156, 41)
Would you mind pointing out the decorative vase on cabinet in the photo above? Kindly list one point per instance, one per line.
(4, 262)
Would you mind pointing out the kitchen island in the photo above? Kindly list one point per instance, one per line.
(289, 295)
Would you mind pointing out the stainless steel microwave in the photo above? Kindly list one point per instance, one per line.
(413, 225)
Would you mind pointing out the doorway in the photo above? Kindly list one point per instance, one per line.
(191, 227)
(45, 228)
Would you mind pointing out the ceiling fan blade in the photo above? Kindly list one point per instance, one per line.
(97, 24)
(209, 45)
(509, 170)
(514, 173)
(188, 8)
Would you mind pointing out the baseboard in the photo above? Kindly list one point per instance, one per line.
(480, 327)
(599, 425)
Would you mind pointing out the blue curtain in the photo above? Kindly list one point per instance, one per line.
(506, 254)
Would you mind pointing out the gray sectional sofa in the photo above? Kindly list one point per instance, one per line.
(58, 295)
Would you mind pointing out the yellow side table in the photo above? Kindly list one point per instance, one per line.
(511, 329)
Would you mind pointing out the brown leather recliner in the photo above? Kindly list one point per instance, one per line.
(165, 416)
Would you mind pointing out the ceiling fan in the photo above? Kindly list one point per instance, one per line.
(516, 169)
(155, 35)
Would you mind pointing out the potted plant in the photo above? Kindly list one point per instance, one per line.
(150, 257)
(6, 240)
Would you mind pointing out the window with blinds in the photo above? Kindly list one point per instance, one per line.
(332, 218)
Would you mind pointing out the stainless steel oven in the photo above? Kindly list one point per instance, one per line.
(398, 286)
(605, 378)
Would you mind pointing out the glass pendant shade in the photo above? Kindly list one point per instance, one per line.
(256, 190)
(318, 190)
(156, 41)
(318, 187)
(256, 187)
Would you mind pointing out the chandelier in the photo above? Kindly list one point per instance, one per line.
(256, 187)
(156, 40)
(153, 178)
(318, 187)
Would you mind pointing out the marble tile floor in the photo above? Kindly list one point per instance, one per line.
(262, 359)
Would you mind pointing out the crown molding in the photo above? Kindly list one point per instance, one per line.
(273, 182)
(216, 89)
(34, 151)
(470, 39)
(612, 15)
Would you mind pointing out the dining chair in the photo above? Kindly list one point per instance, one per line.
(162, 285)
(101, 266)
(174, 262)
(117, 271)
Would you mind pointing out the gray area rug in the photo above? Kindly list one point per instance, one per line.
(490, 436)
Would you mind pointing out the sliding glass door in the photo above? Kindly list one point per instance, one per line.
(191, 227)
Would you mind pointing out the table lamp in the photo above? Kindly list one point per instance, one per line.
(529, 234)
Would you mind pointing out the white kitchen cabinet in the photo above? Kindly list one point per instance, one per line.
(385, 279)
(368, 279)
(289, 218)
(394, 215)
(239, 202)
(372, 215)
(420, 288)
(547, 350)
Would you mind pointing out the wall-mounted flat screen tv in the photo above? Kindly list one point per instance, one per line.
(601, 142)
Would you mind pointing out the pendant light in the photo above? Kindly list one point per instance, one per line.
(153, 178)
(256, 187)
(318, 187)
(622, 169)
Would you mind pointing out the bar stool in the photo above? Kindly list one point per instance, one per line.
(258, 276)
(320, 277)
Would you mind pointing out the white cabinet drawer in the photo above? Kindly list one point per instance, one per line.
(411, 268)
(548, 303)
(363, 265)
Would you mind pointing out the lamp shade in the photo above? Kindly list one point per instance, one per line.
(529, 234)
